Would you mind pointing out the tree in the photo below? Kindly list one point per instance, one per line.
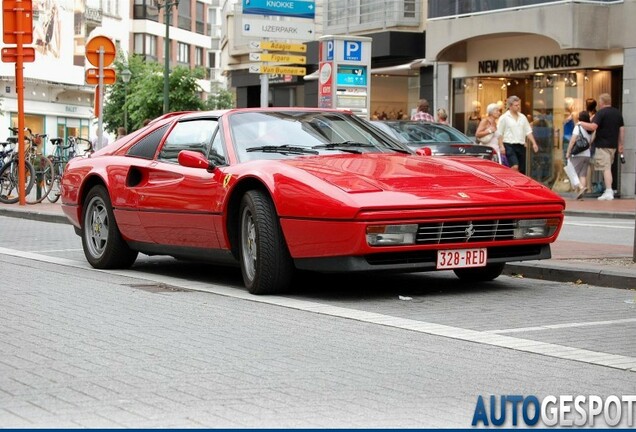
(222, 99)
(143, 96)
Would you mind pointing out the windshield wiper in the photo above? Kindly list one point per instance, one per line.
(344, 146)
(282, 149)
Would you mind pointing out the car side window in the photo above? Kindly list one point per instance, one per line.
(146, 147)
(195, 135)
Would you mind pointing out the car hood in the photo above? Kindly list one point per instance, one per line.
(444, 181)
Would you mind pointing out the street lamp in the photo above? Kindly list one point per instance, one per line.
(167, 8)
(125, 77)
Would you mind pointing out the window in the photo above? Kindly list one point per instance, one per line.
(145, 44)
(195, 135)
(200, 18)
(198, 57)
(212, 59)
(146, 147)
(185, 16)
(145, 9)
(183, 53)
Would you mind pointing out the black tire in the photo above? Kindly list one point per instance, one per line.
(54, 194)
(480, 274)
(266, 265)
(9, 177)
(104, 248)
(44, 178)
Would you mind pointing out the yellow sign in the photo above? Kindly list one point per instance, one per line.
(283, 46)
(278, 70)
(284, 58)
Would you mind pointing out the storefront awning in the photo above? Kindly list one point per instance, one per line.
(404, 69)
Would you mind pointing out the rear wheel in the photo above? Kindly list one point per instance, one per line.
(266, 265)
(9, 181)
(102, 242)
(480, 274)
(44, 178)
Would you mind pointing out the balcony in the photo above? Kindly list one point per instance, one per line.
(570, 23)
(459, 8)
(342, 17)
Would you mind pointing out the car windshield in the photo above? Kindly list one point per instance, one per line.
(275, 135)
(419, 133)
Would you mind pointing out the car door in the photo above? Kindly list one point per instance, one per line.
(178, 205)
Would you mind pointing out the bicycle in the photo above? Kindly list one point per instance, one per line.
(60, 158)
(44, 170)
(9, 173)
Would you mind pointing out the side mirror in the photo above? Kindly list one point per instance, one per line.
(424, 151)
(194, 159)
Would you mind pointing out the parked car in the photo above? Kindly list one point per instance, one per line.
(276, 190)
(435, 138)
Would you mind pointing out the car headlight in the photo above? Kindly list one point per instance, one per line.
(390, 235)
(535, 228)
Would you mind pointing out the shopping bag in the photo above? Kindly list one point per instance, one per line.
(571, 173)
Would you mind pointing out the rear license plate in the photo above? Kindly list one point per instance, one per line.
(461, 258)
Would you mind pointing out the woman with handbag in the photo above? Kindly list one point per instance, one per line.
(579, 161)
(487, 134)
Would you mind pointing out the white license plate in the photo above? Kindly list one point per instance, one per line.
(461, 258)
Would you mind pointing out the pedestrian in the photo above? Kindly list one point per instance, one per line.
(96, 144)
(422, 112)
(568, 124)
(473, 119)
(121, 132)
(590, 106)
(487, 134)
(609, 129)
(581, 161)
(514, 129)
(442, 116)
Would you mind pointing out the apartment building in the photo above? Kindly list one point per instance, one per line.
(57, 100)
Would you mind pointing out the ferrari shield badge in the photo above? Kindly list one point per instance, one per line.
(226, 180)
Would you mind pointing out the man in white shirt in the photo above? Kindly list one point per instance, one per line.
(514, 128)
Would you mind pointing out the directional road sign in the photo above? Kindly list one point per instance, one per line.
(295, 30)
(280, 70)
(278, 58)
(290, 8)
(279, 46)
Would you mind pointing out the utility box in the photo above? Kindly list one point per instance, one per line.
(343, 80)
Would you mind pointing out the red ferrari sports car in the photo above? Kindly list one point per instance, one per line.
(276, 190)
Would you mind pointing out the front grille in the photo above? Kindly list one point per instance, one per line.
(465, 231)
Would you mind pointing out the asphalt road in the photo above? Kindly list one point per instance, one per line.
(173, 344)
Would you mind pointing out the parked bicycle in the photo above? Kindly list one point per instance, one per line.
(44, 170)
(63, 153)
(9, 173)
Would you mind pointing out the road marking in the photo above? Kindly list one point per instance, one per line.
(57, 250)
(483, 337)
(595, 225)
(561, 326)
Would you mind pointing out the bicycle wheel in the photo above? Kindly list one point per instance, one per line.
(44, 177)
(9, 181)
(54, 194)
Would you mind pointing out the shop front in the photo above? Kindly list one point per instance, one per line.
(552, 84)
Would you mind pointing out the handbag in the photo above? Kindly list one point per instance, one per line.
(485, 139)
(581, 144)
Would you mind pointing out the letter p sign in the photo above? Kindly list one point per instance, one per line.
(330, 49)
(353, 50)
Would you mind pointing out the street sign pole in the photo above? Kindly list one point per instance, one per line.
(264, 88)
(19, 86)
(100, 89)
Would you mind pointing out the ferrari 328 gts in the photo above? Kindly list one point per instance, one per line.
(279, 190)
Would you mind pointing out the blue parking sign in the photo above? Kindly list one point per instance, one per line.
(353, 50)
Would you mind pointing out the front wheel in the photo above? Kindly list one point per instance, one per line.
(103, 245)
(480, 274)
(266, 265)
(9, 181)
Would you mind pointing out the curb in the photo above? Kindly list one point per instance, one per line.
(584, 273)
(34, 215)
